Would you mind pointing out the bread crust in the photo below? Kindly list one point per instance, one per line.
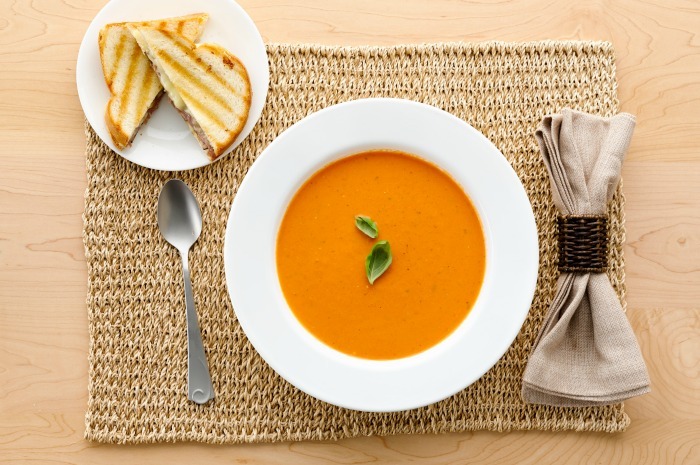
(233, 62)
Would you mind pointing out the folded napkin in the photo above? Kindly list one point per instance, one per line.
(586, 352)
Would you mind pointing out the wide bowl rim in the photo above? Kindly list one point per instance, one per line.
(379, 374)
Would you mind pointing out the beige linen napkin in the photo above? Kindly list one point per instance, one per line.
(586, 352)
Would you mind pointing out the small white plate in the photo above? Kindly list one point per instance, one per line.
(165, 142)
(511, 255)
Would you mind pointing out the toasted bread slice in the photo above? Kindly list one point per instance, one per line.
(206, 83)
(134, 85)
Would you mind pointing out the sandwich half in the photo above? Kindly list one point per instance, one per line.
(134, 86)
(206, 83)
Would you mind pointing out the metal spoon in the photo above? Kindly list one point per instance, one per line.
(180, 223)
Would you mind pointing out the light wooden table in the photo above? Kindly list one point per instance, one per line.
(43, 322)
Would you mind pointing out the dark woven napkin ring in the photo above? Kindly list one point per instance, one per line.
(583, 243)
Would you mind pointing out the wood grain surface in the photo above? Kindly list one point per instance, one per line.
(43, 321)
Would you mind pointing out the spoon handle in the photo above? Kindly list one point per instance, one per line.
(199, 387)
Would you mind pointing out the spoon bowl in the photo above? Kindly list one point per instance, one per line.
(179, 216)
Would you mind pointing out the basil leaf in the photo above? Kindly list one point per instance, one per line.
(366, 225)
(378, 260)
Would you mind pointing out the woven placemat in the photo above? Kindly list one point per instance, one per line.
(137, 375)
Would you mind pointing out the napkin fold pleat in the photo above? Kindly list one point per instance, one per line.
(586, 352)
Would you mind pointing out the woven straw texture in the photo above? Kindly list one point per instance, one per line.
(137, 374)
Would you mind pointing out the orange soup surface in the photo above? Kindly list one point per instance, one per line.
(436, 241)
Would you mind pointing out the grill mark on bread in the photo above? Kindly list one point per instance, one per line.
(197, 105)
(194, 80)
(184, 48)
(231, 62)
(149, 81)
(119, 51)
(128, 87)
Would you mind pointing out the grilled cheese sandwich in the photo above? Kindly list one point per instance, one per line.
(207, 84)
(134, 86)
